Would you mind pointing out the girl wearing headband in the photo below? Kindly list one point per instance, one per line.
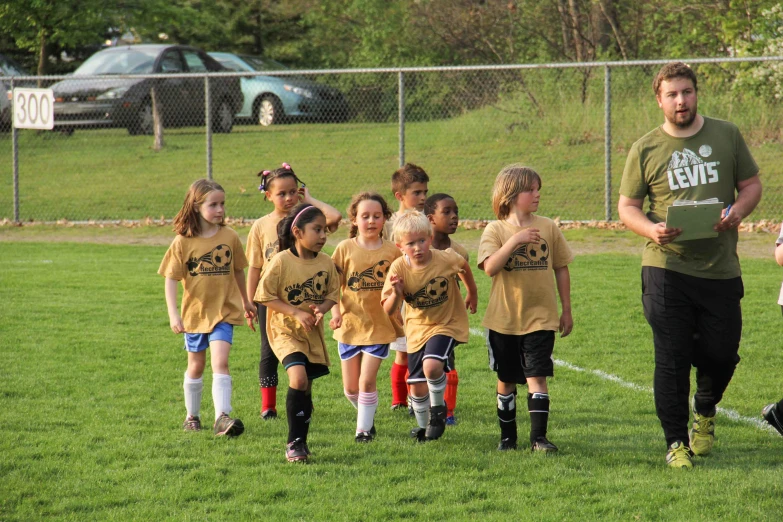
(285, 190)
(299, 285)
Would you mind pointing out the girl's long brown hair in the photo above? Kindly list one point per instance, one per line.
(186, 221)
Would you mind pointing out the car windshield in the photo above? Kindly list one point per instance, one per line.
(9, 68)
(128, 61)
(263, 64)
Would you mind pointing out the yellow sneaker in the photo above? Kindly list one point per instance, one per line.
(702, 435)
(679, 456)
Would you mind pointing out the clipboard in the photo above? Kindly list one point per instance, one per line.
(694, 219)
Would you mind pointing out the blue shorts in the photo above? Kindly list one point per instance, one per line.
(198, 342)
(349, 351)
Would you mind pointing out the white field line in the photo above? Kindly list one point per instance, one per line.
(731, 414)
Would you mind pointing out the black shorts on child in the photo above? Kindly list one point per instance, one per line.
(314, 370)
(517, 357)
(437, 347)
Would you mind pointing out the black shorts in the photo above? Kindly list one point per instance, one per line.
(517, 357)
(437, 347)
(314, 370)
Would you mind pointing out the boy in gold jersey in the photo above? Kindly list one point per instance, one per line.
(435, 315)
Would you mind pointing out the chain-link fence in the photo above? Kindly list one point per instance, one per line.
(345, 131)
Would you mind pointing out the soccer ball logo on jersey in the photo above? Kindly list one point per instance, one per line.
(370, 279)
(313, 290)
(529, 256)
(271, 249)
(687, 169)
(215, 262)
(434, 293)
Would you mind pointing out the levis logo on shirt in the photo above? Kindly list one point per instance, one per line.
(688, 169)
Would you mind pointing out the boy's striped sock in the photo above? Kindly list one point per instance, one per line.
(437, 387)
(421, 409)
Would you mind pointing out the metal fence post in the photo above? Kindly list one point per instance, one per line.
(401, 114)
(208, 123)
(608, 141)
(15, 154)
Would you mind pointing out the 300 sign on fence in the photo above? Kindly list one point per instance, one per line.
(33, 109)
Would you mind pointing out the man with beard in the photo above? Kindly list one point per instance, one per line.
(691, 290)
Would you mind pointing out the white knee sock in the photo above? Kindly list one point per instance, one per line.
(353, 398)
(221, 393)
(368, 403)
(437, 387)
(421, 408)
(193, 388)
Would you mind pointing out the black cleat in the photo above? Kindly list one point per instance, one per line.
(227, 426)
(418, 434)
(437, 423)
(543, 446)
(507, 444)
(269, 414)
(773, 417)
(363, 436)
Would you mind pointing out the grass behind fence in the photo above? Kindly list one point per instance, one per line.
(107, 174)
(91, 388)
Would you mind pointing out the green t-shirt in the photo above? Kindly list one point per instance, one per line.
(708, 164)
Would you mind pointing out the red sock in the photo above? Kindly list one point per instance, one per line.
(399, 388)
(452, 380)
(269, 399)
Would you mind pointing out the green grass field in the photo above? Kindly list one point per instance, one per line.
(91, 387)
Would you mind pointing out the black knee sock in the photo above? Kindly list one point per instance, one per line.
(780, 406)
(297, 407)
(507, 416)
(538, 405)
(308, 414)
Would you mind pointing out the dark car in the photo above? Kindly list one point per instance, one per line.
(8, 68)
(118, 102)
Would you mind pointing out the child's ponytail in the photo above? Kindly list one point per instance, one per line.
(268, 176)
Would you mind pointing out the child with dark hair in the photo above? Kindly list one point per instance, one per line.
(443, 213)
(285, 190)
(299, 285)
(207, 257)
(361, 326)
(409, 186)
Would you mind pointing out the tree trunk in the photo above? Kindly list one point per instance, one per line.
(42, 56)
(610, 13)
(563, 10)
(157, 123)
(573, 11)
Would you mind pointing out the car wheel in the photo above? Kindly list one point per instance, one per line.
(142, 122)
(223, 118)
(269, 111)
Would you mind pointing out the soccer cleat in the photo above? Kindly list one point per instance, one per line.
(225, 425)
(296, 451)
(451, 420)
(363, 436)
(543, 446)
(192, 424)
(773, 417)
(679, 456)
(373, 431)
(268, 414)
(702, 434)
(418, 434)
(507, 444)
(437, 422)
(399, 406)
